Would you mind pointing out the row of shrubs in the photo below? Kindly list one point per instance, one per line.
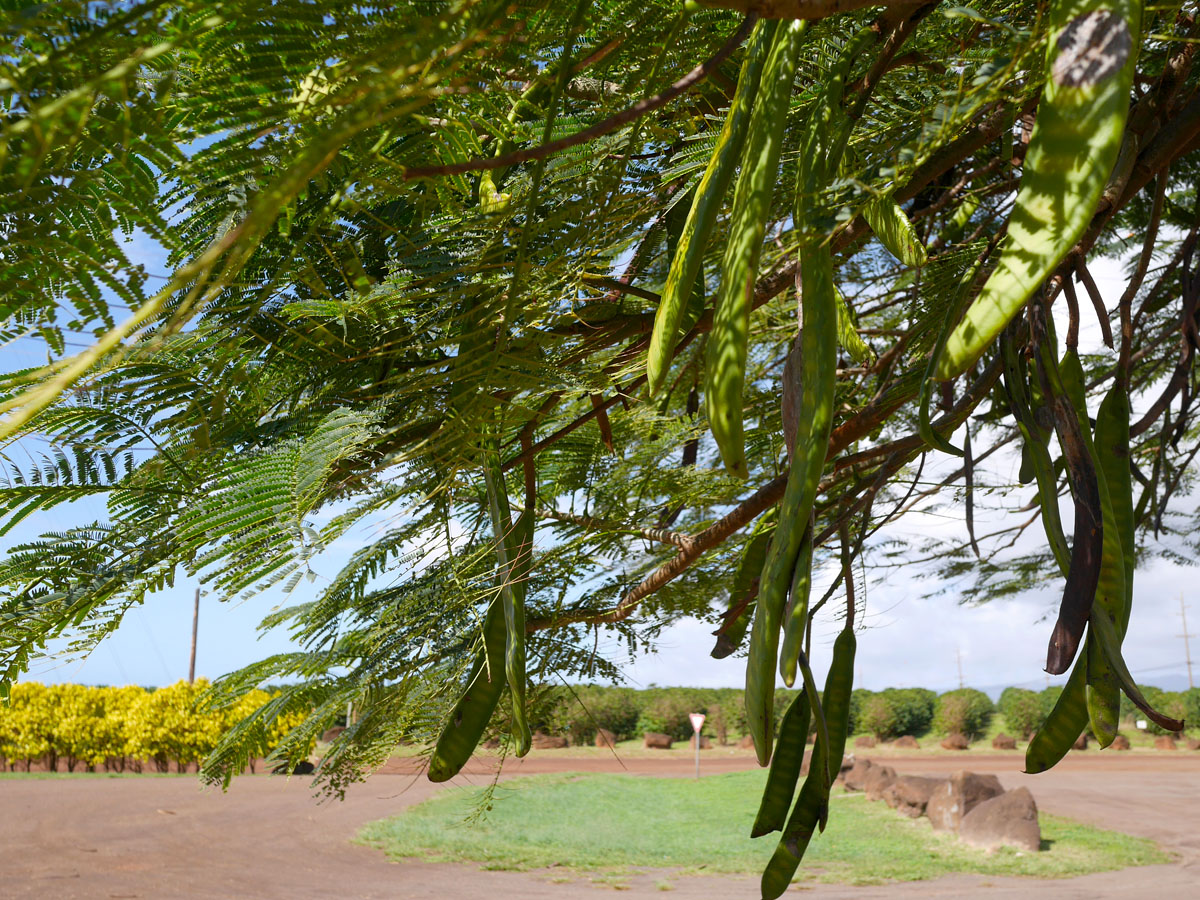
(578, 712)
(119, 728)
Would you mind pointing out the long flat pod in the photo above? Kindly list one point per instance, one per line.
(894, 230)
(812, 803)
(795, 621)
(1063, 725)
(1103, 687)
(1075, 142)
(512, 596)
(1106, 635)
(471, 714)
(728, 343)
(706, 204)
(786, 762)
(1083, 574)
(818, 345)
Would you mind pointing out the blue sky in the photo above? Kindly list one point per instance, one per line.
(906, 639)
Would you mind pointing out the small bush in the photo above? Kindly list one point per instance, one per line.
(964, 711)
(897, 711)
(1022, 711)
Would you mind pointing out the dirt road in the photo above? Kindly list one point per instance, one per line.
(165, 839)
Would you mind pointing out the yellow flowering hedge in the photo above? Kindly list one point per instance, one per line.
(76, 727)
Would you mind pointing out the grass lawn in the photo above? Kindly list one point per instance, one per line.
(615, 822)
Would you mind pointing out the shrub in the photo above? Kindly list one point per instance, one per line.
(897, 711)
(1022, 711)
(964, 711)
(1191, 708)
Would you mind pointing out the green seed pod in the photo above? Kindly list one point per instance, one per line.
(1075, 142)
(725, 359)
(786, 762)
(813, 803)
(687, 257)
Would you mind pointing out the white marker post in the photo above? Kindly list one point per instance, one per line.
(697, 724)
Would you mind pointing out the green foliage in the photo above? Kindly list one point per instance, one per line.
(1191, 708)
(359, 301)
(1023, 711)
(895, 712)
(963, 711)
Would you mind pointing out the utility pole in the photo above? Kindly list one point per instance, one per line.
(1187, 650)
(195, 628)
(958, 656)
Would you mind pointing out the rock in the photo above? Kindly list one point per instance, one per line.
(1165, 742)
(847, 765)
(1081, 742)
(1004, 742)
(746, 743)
(956, 742)
(1193, 744)
(864, 740)
(855, 779)
(1120, 742)
(655, 740)
(549, 741)
(605, 738)
(877, 780)
(953, 799)
(909, 794)
(332, 734)
(907, 742)
(705, 742)
(1008, 819)
(490, 744)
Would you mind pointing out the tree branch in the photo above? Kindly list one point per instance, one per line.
(633, 113)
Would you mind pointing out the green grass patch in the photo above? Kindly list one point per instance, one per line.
(606, 823)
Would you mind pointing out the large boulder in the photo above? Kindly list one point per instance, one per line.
(877, 780)
(705, 742)
(1165, 742)
(953, 799)
(1193, 744)
(549, 741)
(1010, 819)
(909, 794)
(491, 743)
(864, 740)
(907, 742)
(856, 778)
(844, 769)
(605, 738)
(1004, 742)
(1081, 742)
(746, 743)
(1120, 742)
(655, 740)
(956, 742)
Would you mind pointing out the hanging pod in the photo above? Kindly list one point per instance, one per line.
(1076, 138)
(688, 255)
(728, 343)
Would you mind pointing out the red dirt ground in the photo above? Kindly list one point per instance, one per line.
(166, 839)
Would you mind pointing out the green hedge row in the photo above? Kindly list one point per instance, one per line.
(578, 712)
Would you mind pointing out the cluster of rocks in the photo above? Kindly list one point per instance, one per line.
(975, 806)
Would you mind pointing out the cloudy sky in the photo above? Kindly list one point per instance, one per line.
(906, 638)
